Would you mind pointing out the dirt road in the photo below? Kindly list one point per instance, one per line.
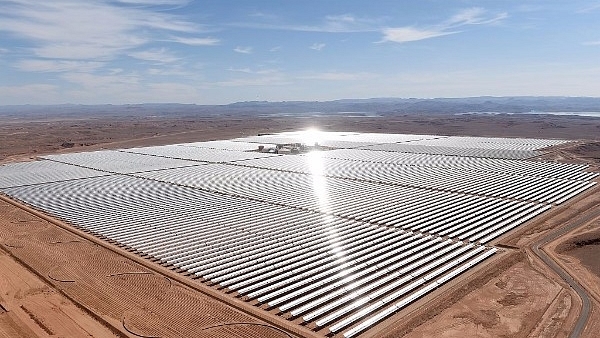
(537, 248)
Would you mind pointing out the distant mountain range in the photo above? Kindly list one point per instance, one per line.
(375, 106)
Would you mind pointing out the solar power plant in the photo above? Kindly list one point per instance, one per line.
(341, 237)
(335, 139)
(31, 173)
(118, 162)
(195, 153)
(225, 145)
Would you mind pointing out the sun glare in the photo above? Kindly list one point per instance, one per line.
(316, 166)
(312, 137)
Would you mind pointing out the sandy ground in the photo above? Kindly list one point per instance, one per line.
(54, 282)
(125, 296)
(578, 253)
(23, 139)
(30, 307)
(502, 307)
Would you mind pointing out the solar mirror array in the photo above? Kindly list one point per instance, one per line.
(342, 237)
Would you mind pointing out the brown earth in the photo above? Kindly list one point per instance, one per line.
(57, 281)
(21, 139)
(585, 248)
(123, 295)
(578, 253)
(31, 307)
(502, 307)
(512, 304)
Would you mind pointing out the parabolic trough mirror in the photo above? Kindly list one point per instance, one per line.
(339, 229)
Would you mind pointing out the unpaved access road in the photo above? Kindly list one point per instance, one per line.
(537, 248)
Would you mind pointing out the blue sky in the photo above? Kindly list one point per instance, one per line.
(222, 51)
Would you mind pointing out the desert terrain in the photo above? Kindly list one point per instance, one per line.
(58, 281)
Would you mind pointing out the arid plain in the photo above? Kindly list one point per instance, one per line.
(58, 281)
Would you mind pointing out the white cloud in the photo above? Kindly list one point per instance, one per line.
(345, 23)
(84, 51)
(94, 83)
(348, 23)
(166, 22)
(243, 50)
(592, 43)
(275, 49)
(263, 15)
(86, 30)
(197, 41)
(317, 46)
(408, 34)
(469, 16)
(161, 55)
(58, 65)
(341, 18)
(169, 71)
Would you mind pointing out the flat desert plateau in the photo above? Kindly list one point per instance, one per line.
(57, 281)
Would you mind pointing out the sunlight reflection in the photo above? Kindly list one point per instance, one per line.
(316, 168)
(312, 137)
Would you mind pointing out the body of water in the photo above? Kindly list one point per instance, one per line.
(562, 113)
